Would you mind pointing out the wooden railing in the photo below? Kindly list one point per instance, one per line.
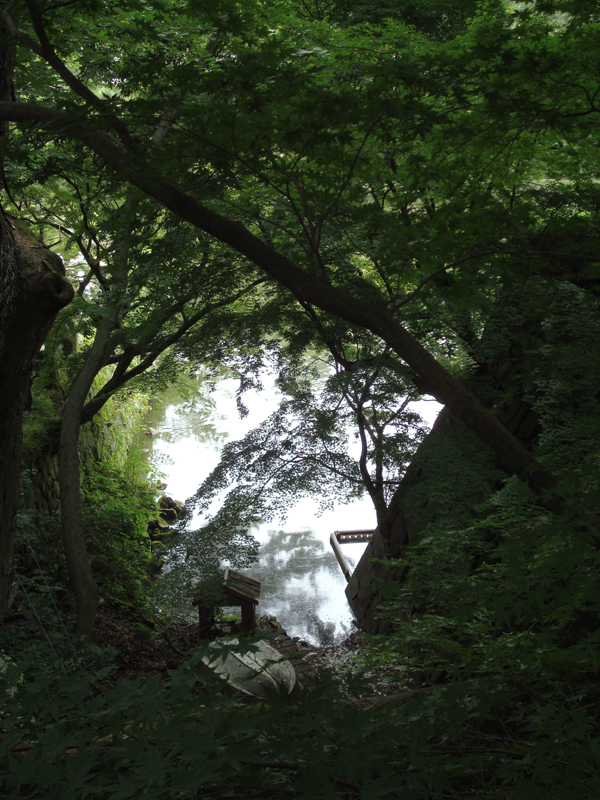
(347, 537)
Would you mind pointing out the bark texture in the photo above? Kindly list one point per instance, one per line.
(32, 291)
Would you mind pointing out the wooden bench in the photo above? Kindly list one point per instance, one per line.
(236, 590)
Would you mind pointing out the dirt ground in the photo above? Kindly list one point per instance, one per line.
(166, 647)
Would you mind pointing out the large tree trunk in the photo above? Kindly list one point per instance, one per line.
(32, 291)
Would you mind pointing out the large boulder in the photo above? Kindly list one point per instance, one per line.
(452, 474)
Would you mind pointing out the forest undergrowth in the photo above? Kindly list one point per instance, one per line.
(484, 686)
(493, 647)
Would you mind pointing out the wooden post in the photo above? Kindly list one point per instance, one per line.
(205, 618)
(248, 616)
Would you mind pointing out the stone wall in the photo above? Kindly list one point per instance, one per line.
(98, 441)
(452, 474)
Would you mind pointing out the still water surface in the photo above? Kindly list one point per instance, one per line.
(302, 584)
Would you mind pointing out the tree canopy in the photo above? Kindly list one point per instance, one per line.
(354, 163)
(410, 189)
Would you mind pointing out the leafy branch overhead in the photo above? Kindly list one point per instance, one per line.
(319, 188)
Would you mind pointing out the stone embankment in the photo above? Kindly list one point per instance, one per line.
(159, 529)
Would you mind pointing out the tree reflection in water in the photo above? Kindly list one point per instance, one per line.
(302, 585)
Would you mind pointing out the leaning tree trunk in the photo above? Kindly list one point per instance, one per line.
(32, 291)
(429, 374)
(78, 562)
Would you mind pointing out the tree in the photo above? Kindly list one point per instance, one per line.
(380, 176)
(439, 189)
(302, 448)
(149, 289)
(32, 291)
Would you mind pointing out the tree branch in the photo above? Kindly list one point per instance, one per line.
(122, 375)
(46, 52)
(373, 315)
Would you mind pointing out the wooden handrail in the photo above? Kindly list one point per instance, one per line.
(348, 537)
(340, 556)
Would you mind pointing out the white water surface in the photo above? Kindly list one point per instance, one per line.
(302, 584)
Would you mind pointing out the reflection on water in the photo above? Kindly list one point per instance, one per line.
(302, 584)
(195, 555)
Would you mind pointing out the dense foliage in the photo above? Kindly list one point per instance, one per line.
(369, 173)
(118, 499)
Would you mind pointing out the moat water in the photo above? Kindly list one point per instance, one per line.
(302, 584)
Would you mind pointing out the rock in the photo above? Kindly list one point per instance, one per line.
(151, 432)
(158, 529)
(257, 672)
(168, 502)
(171, 509)
(268, 623)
